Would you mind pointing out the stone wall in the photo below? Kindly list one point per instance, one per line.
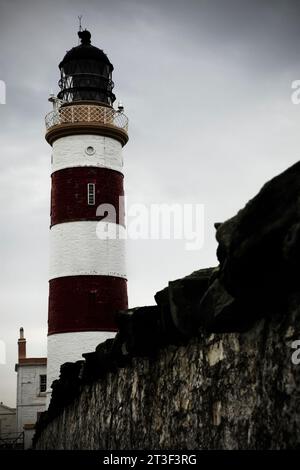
(210, 365)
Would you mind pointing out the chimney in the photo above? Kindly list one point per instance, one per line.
(21, 345)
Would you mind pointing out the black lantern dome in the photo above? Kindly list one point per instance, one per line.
(86, 73)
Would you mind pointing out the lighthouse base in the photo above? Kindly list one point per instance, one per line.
(69, 347)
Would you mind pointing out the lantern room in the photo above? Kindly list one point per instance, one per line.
(86, 74)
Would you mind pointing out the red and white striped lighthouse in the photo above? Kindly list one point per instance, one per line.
(87, 274)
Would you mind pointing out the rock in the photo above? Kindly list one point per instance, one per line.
(291, 247)
(178, 304)
(253, 248)
(67, 387)
(220, 312)
(184, 297)
(140, 329)
(99, 362)
(169, 332)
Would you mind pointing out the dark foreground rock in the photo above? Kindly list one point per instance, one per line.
(259, 248)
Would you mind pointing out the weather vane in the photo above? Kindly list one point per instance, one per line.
(79, 19)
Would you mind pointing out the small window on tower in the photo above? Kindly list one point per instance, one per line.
(43, 383)
(91, 194)
(90, 150)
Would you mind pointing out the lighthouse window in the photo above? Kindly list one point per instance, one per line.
(91, 194)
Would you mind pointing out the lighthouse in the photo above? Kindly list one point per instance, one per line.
(87, 282)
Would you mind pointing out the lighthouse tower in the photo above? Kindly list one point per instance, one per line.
(87, 273)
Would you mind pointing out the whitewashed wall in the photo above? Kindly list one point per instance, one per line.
(29, 399)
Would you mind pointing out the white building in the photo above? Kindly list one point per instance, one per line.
(31, 390)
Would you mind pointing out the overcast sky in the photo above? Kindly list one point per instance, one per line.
(207, 88)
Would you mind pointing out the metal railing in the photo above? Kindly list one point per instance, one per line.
(12, 441)
(82, 113)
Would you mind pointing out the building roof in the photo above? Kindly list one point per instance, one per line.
(31, 361)
(8, 408)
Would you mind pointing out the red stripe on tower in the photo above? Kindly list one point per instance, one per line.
(69, 194)
(76, 302)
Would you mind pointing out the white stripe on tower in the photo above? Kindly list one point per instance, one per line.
(68, 347)
(75, 250)
(71, 151)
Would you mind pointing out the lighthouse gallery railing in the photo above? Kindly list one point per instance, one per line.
(86, 113)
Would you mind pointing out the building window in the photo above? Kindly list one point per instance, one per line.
(91, 194)
(43, 383)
